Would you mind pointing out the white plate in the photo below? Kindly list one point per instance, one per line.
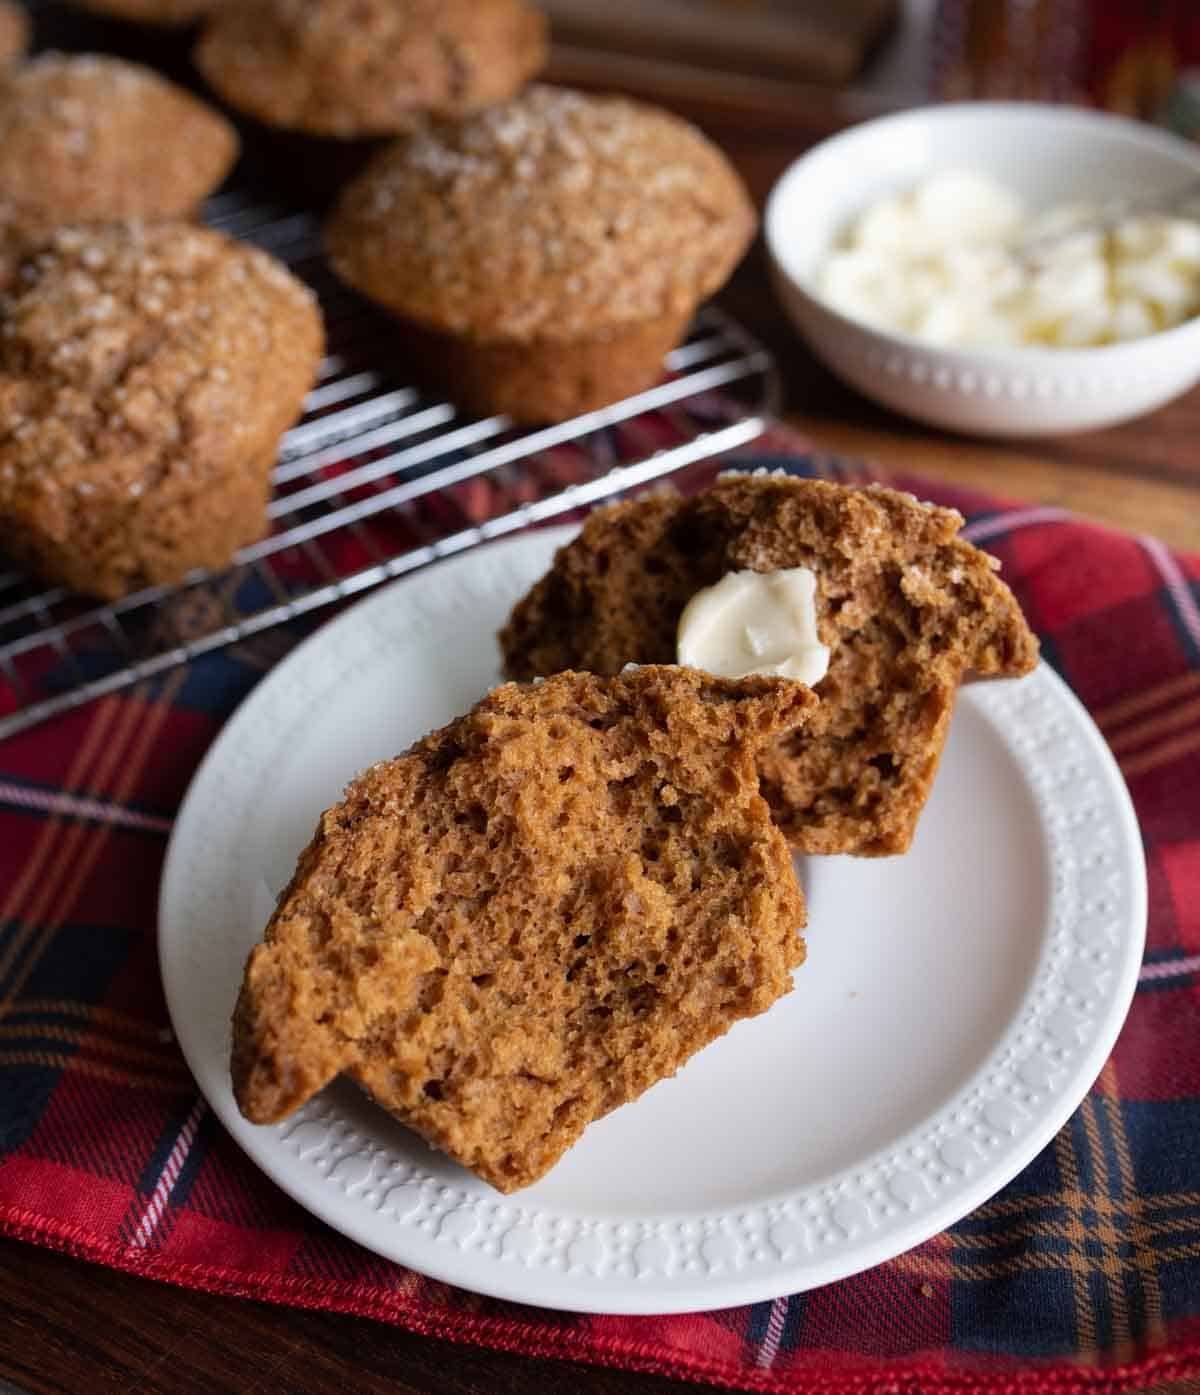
(956, 1004)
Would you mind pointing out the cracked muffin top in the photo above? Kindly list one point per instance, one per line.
(132, 354)
(554, 215)
(85, 138)
(358, 68)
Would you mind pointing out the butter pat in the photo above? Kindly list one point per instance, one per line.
(755, 623)
(959, 260)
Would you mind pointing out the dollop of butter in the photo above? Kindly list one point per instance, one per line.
(755, 623)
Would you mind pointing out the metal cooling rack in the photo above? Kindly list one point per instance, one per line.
(376, 480)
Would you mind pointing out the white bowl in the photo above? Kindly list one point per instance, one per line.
(1047, 155)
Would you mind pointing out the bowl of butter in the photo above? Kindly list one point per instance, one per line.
(997, 268)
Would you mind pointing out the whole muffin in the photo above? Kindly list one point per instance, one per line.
(171, 14)
(360, 68)
(545, 253)
(89, 139)
(146, 374)
(14, 32)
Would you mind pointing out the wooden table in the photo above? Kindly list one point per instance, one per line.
(1143, 476)
(66, 1326)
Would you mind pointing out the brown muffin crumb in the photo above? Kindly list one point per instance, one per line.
(89, 139)
(906, 606)
(14, 32)
(531, 917)
(352, 68)
(146, 373)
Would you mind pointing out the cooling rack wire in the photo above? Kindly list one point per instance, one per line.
(376, 480)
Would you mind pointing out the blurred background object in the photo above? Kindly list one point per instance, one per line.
(864, 57)
(841, 58)
(1010, 49)
(810, 39)
(1137, 57)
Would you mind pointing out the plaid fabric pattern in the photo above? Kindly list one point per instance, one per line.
(1082, 1275)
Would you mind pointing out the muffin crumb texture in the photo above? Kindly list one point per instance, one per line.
(532, 916)
(146, 374)
(906, 606)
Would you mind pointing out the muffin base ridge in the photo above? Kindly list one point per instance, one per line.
(546, 380)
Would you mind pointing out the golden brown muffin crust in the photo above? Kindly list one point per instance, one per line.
(531, 917)
(350, 68)
(555, 216)
(544, 380)
(905, 604)
(14, 32)
(85, 138)
(146, 373)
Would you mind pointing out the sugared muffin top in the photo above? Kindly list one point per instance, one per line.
(14, 32)
(359, 68)
(131, 351)
(89, 139)
(171, 14)
(553, 215)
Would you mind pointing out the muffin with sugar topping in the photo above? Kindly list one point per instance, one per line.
(14, 33)
(351, 69)
(90, 139)
(545, 254)
(146, 375)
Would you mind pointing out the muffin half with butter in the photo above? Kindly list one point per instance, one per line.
(868, 595)
(545, 254)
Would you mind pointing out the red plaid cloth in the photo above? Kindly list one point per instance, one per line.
(1084, 1274)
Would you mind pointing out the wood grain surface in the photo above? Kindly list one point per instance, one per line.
(66, 1326)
